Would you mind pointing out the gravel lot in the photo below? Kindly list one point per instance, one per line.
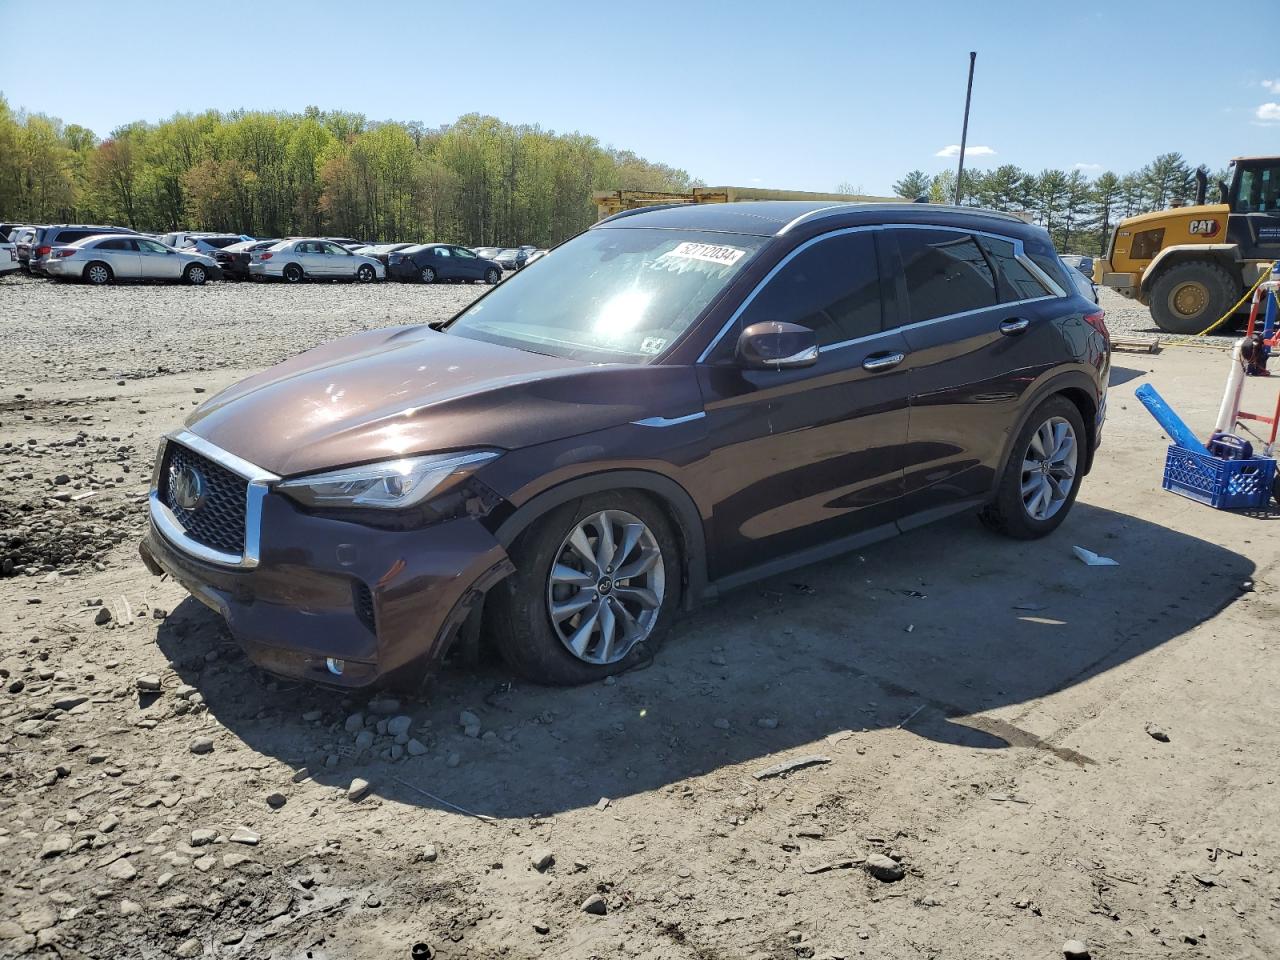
(983, 712)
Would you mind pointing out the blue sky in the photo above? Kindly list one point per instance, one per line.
(798, 95)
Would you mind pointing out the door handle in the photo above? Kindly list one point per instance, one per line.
(1011, 328)
(882, 361)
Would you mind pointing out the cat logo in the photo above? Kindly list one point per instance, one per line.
(1203, 228)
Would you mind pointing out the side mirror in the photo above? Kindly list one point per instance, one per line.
(773, 345)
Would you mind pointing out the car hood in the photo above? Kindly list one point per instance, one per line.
(399, 392)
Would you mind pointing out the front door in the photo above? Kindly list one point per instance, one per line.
(158, 261)
(467, 263)
(1254, 223)
(812, 455)
(338, 261)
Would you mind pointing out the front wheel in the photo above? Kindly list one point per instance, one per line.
(596, 581)
(1042, 477)
(1188, 297)
(493, 276)
(366, 274)
(196, 275)
(428, 275)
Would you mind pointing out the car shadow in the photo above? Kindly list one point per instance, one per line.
(930, 632)
(1121, 375)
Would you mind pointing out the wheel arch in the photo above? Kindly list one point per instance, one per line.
(84, 273)
(1225, 255)
(666, 493)
(1079, 390)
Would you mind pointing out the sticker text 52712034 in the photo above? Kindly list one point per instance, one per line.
(712, 253)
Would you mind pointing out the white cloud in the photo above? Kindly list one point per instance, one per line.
(1087, 167)
(975, 151)
(1268, 113)
(1271, 85)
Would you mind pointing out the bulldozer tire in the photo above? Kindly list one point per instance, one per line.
(1190, 296)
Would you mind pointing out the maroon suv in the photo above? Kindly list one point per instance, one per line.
(673, 403)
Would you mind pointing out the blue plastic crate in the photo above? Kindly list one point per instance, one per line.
(1224, 484)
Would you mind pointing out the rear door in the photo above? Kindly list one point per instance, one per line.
(980, 328)
(310, 253)
(157, 261)
(120, 254)
(807, 456)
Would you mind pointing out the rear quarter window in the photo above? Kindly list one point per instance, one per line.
(1016, 282)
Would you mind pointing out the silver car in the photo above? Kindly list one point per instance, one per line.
(313, 259)
(102, 259)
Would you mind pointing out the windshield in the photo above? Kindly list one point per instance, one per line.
(617, 294)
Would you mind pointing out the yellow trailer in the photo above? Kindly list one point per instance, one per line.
(609, 202)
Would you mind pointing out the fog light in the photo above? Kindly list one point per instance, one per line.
(335, 666)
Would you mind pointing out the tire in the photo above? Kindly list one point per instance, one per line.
(366, 273)
(195, 275)
(97, 273)
(518, 617)
(292, 273)
(428, 275)
(1019, 509)
(492, 276)
(1190, 296)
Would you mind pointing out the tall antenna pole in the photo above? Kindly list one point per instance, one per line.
(964, 132)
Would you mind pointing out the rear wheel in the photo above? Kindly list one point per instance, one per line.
(366, 273)
(428, 275)
(1190, 296)
(292, 272)
(492, 276)
(196, 275)
(97, 274)
(597, 580)
(1042, 477)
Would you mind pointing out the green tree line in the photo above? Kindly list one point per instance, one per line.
(1078, 212)
(474, 181)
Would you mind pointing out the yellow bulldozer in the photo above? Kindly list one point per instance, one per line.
(1191, 264)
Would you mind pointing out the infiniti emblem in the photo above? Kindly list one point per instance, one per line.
(187, 488)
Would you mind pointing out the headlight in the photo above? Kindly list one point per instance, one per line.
(390, 485)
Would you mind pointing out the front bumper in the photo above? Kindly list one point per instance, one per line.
(323, 589)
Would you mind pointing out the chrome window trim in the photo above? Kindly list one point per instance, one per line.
(668, 421)
(795, 222)
(1053, 291)
(259, 482)
(702, 357)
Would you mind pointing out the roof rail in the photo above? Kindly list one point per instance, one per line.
(833, 210)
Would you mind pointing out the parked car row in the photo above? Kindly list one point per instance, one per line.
(100, 254)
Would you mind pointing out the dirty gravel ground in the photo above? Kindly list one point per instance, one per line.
(983, 706)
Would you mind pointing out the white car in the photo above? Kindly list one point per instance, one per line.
(102, 258)
(314, 259)
(8, 257)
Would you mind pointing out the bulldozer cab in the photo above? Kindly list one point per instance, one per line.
(1254, 199)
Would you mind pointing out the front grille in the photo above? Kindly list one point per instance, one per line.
(218, 519)
(362, 599)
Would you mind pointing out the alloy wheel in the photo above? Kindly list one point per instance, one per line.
(98, 274)
(428, 275)
(492, 277)
(605, 588)
(1049, 468)
(365, 273)
(196, 275)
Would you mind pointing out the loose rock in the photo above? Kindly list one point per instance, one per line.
(1075, 950)
(884, 868)
(542, 858)
(201, 745)
(1157, 733)
(595, 905)
(357, 789)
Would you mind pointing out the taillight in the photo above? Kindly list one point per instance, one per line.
(1097, 320)
(43, 251)
(264, 256)
(64, 252)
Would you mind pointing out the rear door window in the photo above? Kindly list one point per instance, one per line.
(832, 287)
(945, 273)
(1016, 282)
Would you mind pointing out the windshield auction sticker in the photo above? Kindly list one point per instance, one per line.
(710, 252)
